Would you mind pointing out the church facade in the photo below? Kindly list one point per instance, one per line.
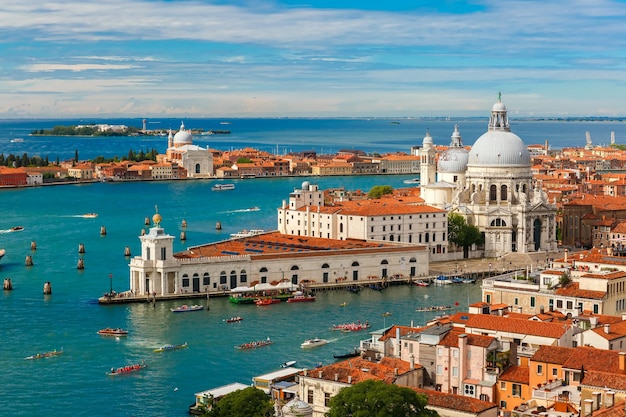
(197, 161)
(492, 186)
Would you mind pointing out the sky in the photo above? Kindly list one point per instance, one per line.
(315, 58)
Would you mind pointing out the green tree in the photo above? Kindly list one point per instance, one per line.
(378, 191)
(249, 402)
(244, 160)
(462, 234)
(378, 399)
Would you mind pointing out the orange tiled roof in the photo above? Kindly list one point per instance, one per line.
(360, 370)
(455, 402)
(552, 354)
(573, 290)
(514, 373)
(452, 339)
(593, 359)
(512, 325)
(609, 380)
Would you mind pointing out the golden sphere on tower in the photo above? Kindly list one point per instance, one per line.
(156, 218)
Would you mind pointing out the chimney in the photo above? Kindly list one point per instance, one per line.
(336, 377)
(540, 309)
(350, 379)
(395, 371)
(622, 362)
(609, 399)
(597, 396)
(412, 362)
(320, 373)
(607, 328)
(588, 407)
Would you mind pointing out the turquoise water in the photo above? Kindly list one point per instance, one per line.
(75, 383)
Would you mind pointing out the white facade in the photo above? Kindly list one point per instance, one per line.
(495, 191)
(306, 214)
(197, 161)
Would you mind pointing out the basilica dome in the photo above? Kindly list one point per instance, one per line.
(499, 146)
(182, 137)
(454, 159)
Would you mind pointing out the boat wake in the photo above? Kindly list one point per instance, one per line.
(241, 210)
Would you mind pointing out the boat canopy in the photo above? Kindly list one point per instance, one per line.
(265, 287)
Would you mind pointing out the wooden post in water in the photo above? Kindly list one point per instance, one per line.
(81, 248)
(81, 264)
(47, 288)
(127, 251)
(103, 231)
(33, 245)
(8, 285)
(29, 260)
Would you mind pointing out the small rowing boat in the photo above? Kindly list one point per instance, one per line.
(185, 308)
(254, 344)
(127, 369)
(166, 348)
(351, 327)
(45, 354)
(234, 319)
(113, 332)
(434, 308)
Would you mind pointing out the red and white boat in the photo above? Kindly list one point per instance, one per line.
(127, 369)
(266, 301)
(113, 332)
(301, 298)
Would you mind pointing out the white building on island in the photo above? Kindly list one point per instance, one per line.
(197, 161)
(492, 187)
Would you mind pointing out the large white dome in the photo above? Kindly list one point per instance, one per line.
(453, 160)
(499, 148)
(182, 136)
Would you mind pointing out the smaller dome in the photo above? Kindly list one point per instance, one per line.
(305, 185)
(453, 160)
(428, 140)
(498, 106)
(297, 407)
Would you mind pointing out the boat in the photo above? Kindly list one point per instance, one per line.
(17, 228)
(127, 369)
(456, 280)
(343, 304)
(311, 343)
(434, 308)
(266, 301)
(113, 332)
(254, 344)
(246, 233)
(45, 354)
(442, 280)
(234, 319)
(288, 364)
(376, 287)
(354, 353)
(354, 289)
(412, 181)
(422, 283)
(255, 208)
(166, 348)
(17, 140)
(186, 308)
(351, 327)
(223, 187)
(2, 252)
(301, 298)
(90, 215)
(469, 280)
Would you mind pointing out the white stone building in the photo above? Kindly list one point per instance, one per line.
(197, 161)
(492, 187)
(397, 218)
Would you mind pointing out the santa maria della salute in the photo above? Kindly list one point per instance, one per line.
(492, 186)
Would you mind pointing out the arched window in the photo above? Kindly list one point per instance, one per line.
(243, 276)
(340, 227)
(264, 269)
(197, 168)
(493, 193)
(206, 279)
(355, 263)
(223, 278)
(498, 223)
(294, 274)
(503, 193)
(384, 262)
(412, 260)
(325, 266)
(263, 275)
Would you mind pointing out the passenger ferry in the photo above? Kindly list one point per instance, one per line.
(223, 187)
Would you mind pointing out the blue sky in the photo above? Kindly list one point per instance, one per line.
(318, 58)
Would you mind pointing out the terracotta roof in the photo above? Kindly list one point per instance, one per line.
(455, 402)
(361, 370)
(452, 339)
(602, 379)
(514, 373)
(512, 325)
(557, 355)
(573, 290)
(593, 359)
(616, 330)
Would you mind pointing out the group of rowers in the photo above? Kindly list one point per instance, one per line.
(125, 369)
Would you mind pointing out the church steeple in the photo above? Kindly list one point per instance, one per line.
(499, 120)
(428, 169)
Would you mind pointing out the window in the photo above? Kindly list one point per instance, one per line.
(516, 301)
(516, 390)
(439, 351)
(206, 279)
(439, 370)
(532, 301)
(326, 398)
(555, 372)
(539, 369)
(455, 371)
(310, 396)
(502, 385)
(185, 282)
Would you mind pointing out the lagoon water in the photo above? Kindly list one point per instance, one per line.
(75, 383)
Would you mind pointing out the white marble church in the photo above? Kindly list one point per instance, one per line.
(492, 186)
(197, 161)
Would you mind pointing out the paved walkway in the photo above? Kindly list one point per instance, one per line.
(489, 266)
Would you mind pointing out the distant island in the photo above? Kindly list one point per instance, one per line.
(112, 130)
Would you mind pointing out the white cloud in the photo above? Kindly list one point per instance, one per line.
(74, 67)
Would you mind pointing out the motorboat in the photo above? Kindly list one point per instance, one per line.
(17, 140)
(2, 252)
(442, 280)
(17, 228)
(311, 343)
(45, 354)
(415, 181)
(288, 364)
(90, 215)
(127, 369)
(113, 332)
(223, 187)
(186, 308)
(301, 298)
(166, 348)
(266, 301)
(254, 344)
(246, 233)
(422, 283)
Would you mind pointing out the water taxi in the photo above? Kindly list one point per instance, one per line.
(185, 308)
(113, 332)
(223, 187)
(311, 343)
